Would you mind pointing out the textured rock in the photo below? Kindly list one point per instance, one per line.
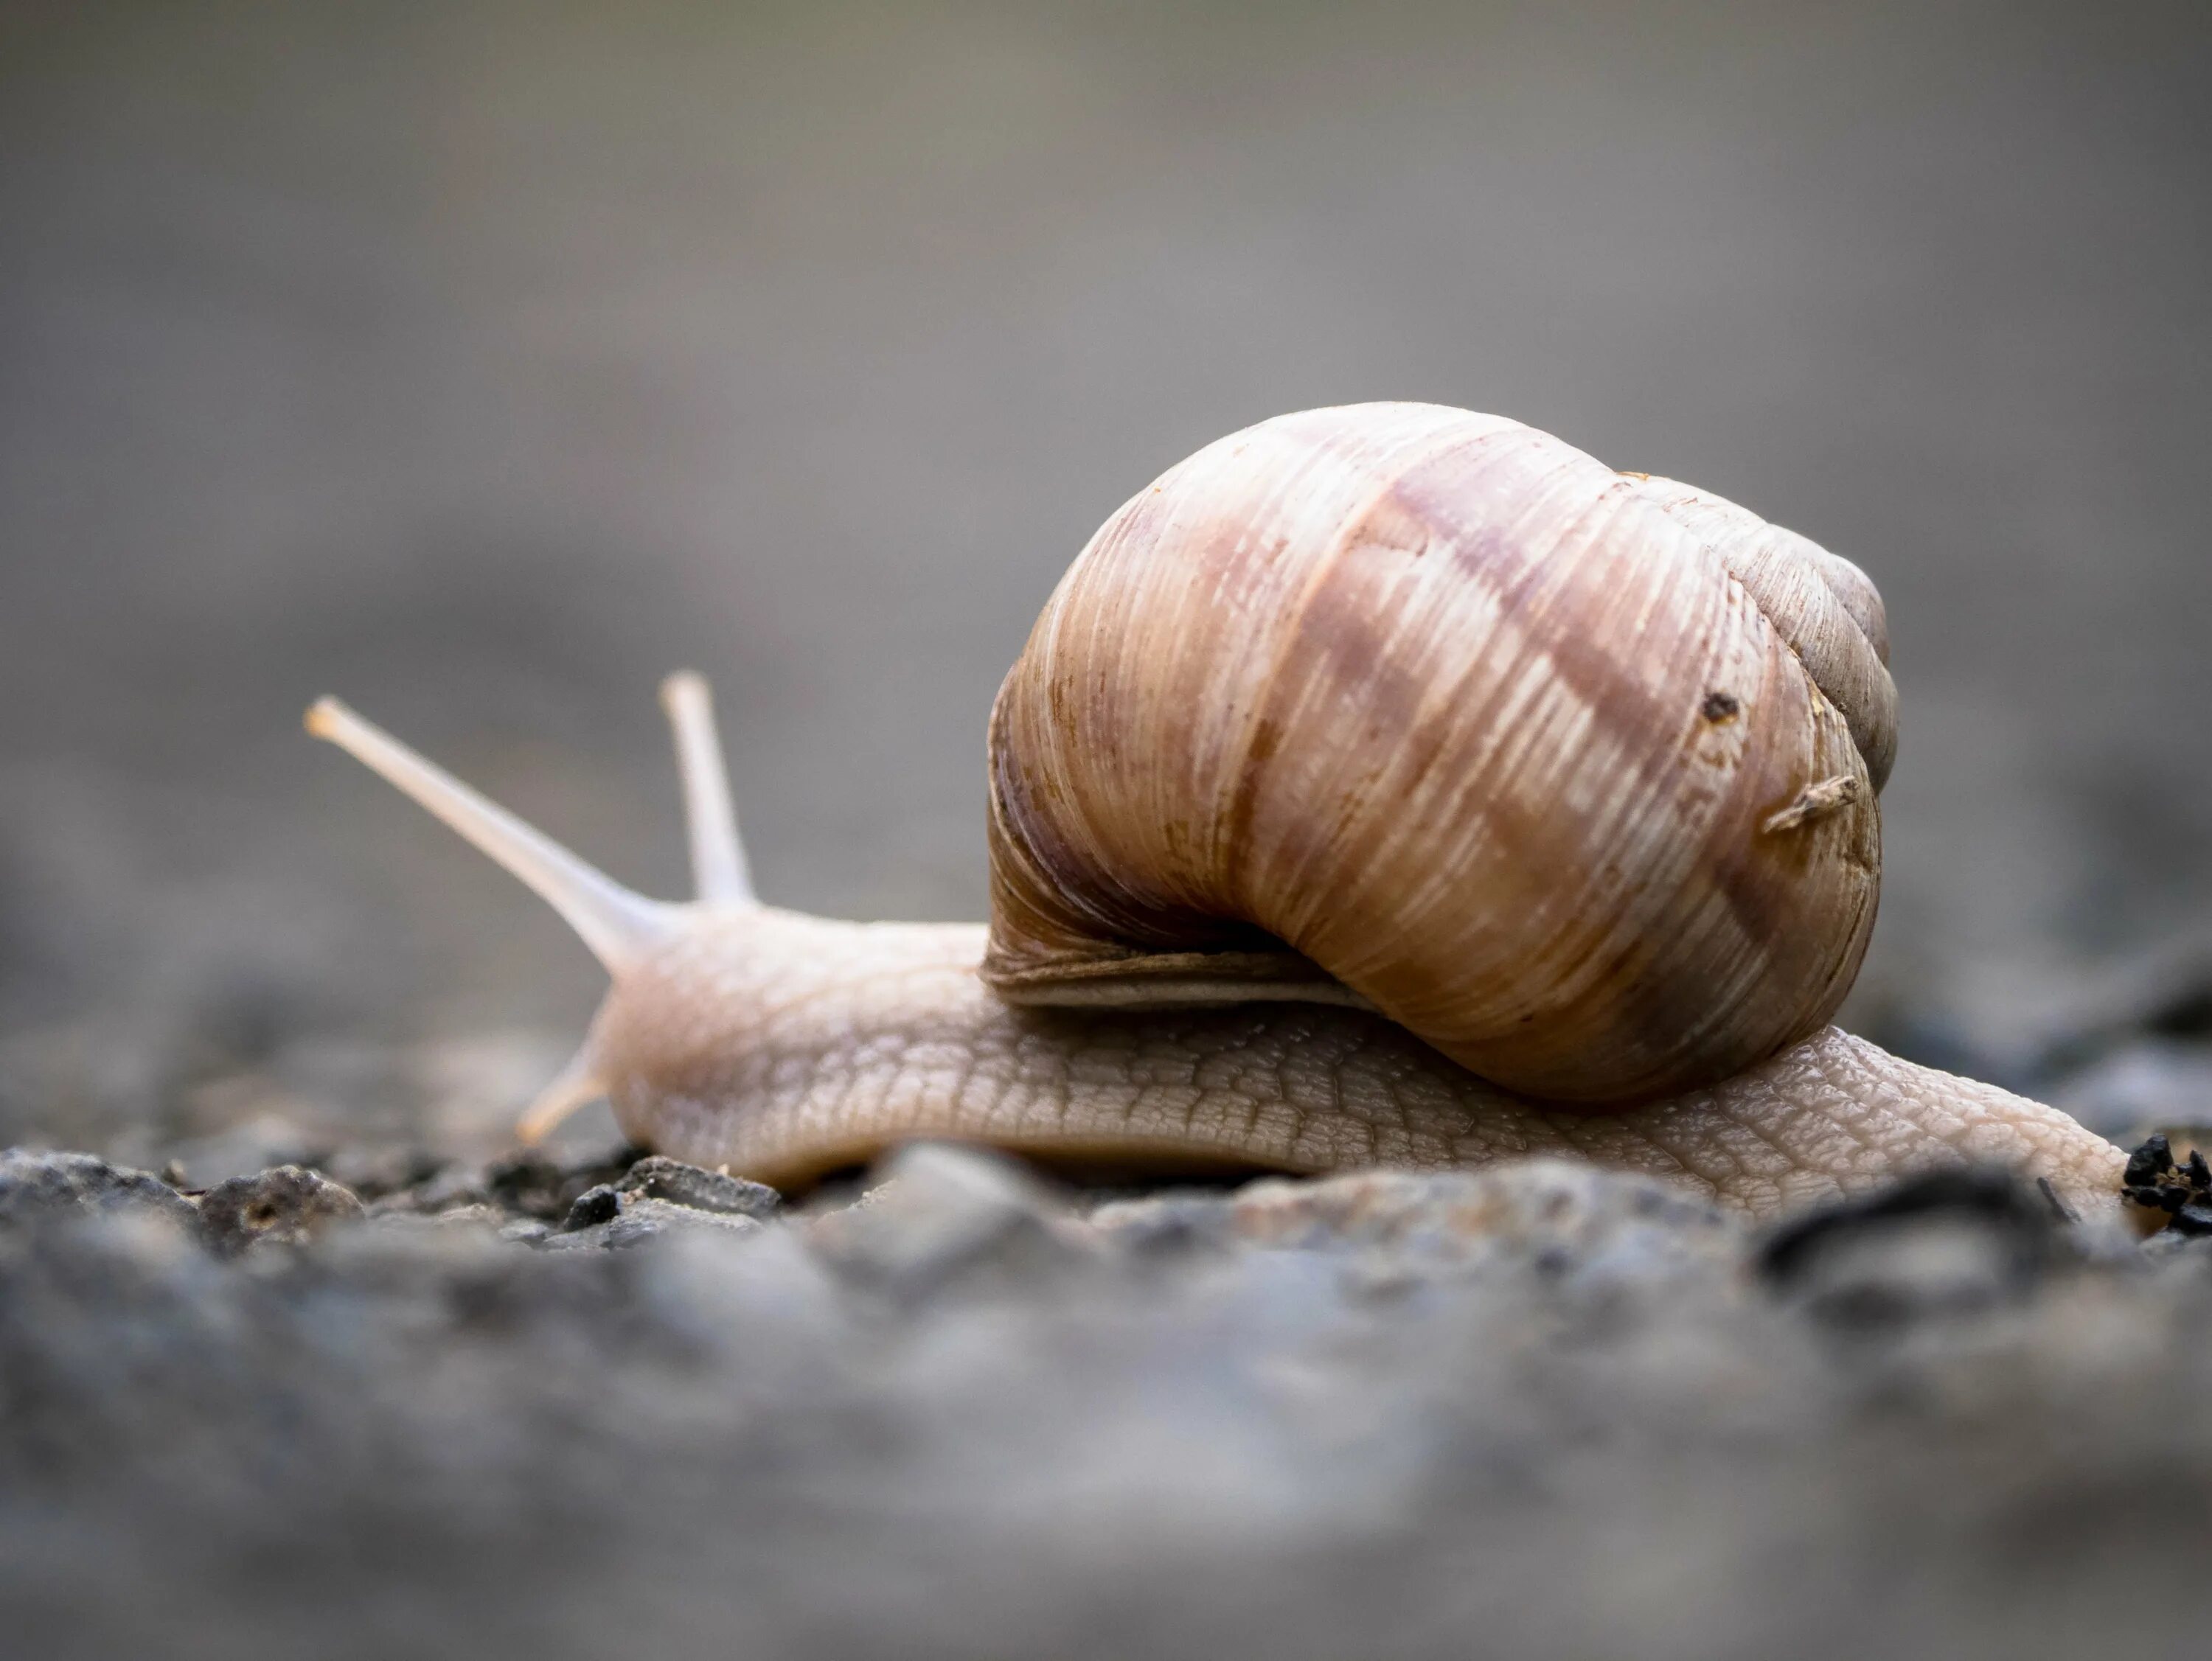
(655, 1195)
(656, 1178)
(1566, 1220)
(37, 1185)
(287, 1206)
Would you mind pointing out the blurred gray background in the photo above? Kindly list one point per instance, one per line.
(481, 362)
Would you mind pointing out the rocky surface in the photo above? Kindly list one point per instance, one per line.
(957, 1411)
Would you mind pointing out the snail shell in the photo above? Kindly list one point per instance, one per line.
(1571, 772)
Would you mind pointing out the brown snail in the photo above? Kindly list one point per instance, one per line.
(1384, 785)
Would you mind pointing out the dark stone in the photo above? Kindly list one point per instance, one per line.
(36, 1184)
(2147, 1162)
(2192, 1221)
(657, 1176)
(594, 1206)
(2153, 1181)
(288, 1206)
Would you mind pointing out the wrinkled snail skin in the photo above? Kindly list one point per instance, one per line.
(786, 1046)
(1383, 785)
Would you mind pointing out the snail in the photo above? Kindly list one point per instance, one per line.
(1385, 784)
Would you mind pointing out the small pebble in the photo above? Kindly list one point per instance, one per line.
(286, 1206)
(657, 1176)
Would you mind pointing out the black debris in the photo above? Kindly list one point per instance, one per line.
(2183, 1192)
(594, 1206)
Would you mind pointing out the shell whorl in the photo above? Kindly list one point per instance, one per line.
(1491, 735)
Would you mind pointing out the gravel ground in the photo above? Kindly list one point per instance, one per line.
(1537, 1411)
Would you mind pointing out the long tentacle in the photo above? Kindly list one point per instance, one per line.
(617, 924)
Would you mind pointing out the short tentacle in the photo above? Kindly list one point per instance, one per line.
(576, 1085)
(719, 867)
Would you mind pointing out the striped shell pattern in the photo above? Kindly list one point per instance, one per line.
(1570, 772)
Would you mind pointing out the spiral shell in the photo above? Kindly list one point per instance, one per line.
(1572, 773)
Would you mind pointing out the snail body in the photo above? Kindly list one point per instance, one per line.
(1388, 785)
(825, 1042)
